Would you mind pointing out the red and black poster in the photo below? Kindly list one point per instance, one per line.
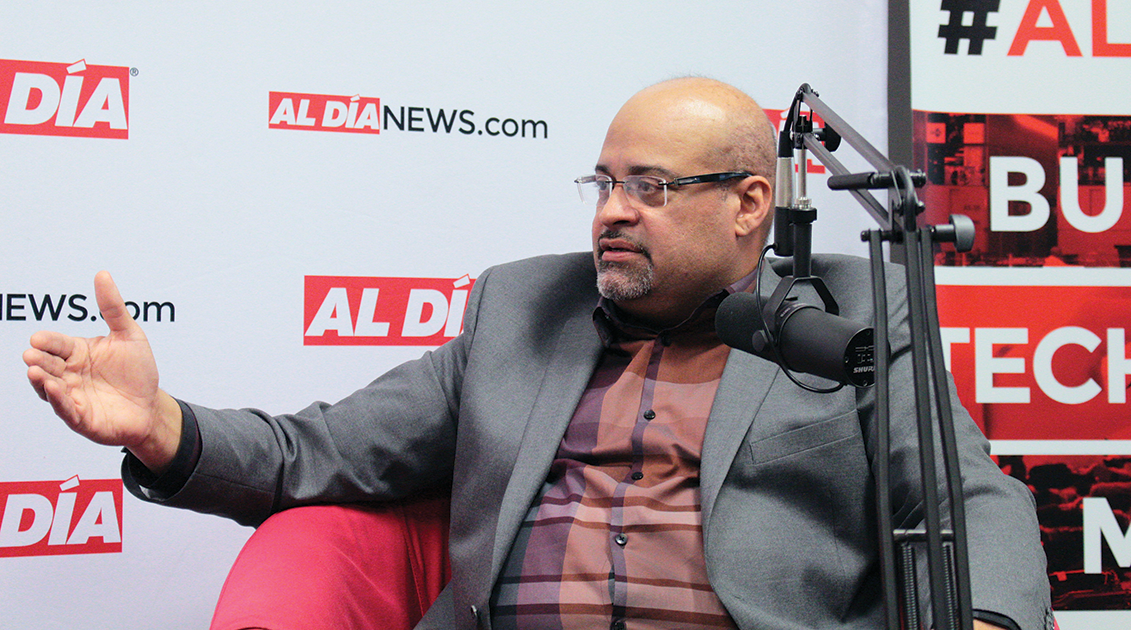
(1020, 123)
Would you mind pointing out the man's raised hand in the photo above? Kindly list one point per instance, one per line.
(105, 388)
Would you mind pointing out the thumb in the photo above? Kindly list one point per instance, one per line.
(110, 302)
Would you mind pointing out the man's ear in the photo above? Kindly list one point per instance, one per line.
(755, 205)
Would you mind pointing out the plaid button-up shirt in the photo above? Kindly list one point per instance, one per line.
(615, 540)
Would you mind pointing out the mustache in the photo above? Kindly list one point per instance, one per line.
(618, 235)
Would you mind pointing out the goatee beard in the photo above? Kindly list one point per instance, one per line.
(619, 281)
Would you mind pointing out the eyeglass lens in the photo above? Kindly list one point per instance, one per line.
(646, 189)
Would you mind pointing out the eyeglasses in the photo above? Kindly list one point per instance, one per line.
(647, 189)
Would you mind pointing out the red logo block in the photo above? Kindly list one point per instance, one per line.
(322, 112)
(64, 99)
(49, 518)
(352, 311)
(1040, 362)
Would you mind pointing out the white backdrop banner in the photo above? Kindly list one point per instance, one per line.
(294, 198)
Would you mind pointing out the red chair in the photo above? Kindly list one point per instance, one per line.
(337, 566)
(329, 567)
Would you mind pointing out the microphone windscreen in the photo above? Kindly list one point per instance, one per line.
(736, 321)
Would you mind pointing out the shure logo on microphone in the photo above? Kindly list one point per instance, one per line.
(64, 99)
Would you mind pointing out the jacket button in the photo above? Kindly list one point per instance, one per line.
(649, 415)
(621, 539)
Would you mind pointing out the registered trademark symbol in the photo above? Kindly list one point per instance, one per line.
(133, 72)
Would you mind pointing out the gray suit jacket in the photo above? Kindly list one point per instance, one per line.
(787, 488)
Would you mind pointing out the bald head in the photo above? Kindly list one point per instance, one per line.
(729, 126)
(717, 125)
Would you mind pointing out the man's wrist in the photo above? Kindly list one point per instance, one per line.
(157, 451)
(169, 481)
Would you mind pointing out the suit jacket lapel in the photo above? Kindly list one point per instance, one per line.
(575, 354)
(744, 386)
(746, 382)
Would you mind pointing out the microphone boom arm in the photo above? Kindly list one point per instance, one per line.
(946, 550)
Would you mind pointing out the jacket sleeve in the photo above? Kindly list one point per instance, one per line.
(1007, 563)
(390, 439)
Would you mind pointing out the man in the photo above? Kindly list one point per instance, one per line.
(636, 475)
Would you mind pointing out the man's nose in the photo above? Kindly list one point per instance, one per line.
(618, 208)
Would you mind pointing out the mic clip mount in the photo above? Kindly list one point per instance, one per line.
(782, 305)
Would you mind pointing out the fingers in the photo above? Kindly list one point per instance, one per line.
(52, 343)
(52, 389)
(36, 376)
(50, 363)
(111, 304)
(45, 364)
(56, 394)
(44, 368)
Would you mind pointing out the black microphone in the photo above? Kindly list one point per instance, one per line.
(808, 339)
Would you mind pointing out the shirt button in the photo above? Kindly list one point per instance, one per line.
(637, 476)
(618, 624)
(649, 415)
(621, 539)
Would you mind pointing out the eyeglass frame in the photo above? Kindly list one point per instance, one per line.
(707, 178)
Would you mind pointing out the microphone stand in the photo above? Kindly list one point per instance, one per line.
(946, 549)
